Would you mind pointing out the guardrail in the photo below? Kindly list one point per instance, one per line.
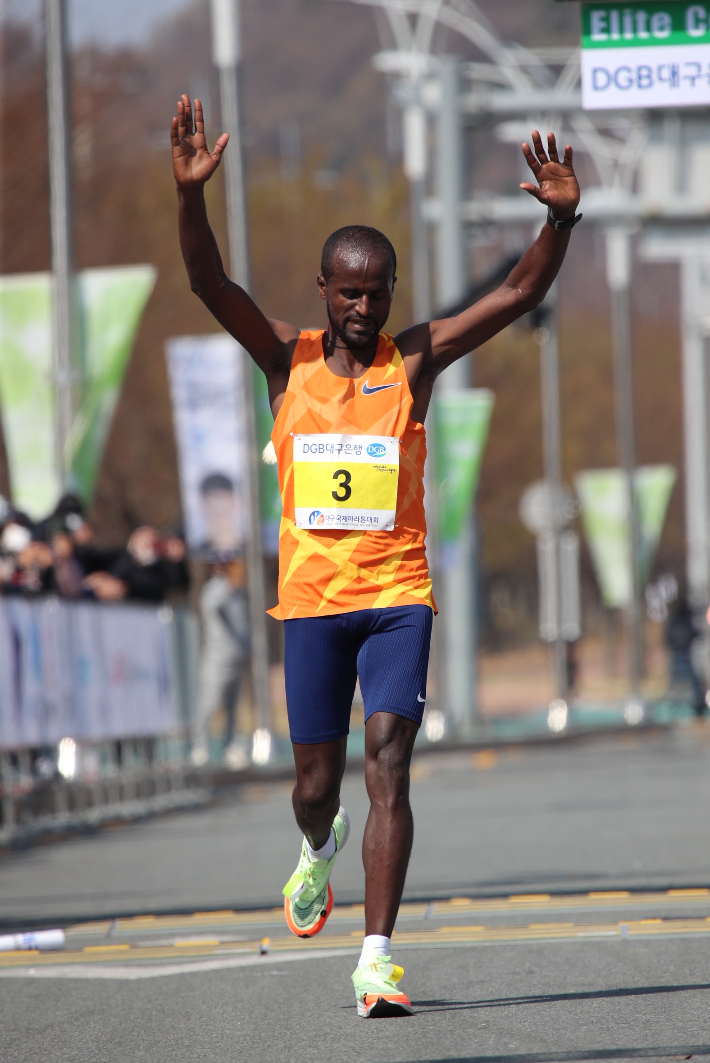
(112, 688)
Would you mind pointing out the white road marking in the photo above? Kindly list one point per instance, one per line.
(132, 974)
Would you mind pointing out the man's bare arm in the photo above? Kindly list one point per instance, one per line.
(431, 347)
(269, 343)
(523, 290)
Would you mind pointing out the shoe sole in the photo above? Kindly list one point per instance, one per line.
(384, 1007)
(317, 927)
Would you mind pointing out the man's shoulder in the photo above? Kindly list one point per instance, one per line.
(309, 346)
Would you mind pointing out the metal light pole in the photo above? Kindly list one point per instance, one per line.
(691, 250)
(65, 372)
(618, 246)
(552, 464)
(457, 576)
(227, 55)
(415, 169)
(694, 294)
(414, 130)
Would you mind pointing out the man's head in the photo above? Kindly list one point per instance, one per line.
(357, 279)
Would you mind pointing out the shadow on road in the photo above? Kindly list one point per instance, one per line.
(554, 998)
(678, 1052)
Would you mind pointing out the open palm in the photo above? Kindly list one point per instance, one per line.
(557, 185)
(193, 163)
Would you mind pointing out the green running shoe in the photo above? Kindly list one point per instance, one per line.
(309, 898)
(377, 993)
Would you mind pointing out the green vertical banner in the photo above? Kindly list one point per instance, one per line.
(112, 302)
(462, 419)
(603, 500)
(26, 393)
(270, 496)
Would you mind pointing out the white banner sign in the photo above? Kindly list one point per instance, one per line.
(207, 393)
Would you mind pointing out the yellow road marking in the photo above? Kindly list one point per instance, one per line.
(216, 915)
(461, 905)
(104, 948)
(527, 898)
(543, 926)
(432, 937)
(196, 944)
(457, 929)
(485, 759)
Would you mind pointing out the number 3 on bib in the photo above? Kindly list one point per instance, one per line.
(344, 482)
(345, 487)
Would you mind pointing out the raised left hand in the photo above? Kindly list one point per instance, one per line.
(557, 186)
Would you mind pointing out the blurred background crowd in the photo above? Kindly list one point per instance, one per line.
(58, 555)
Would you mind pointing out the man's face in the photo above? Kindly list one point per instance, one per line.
(358, 297)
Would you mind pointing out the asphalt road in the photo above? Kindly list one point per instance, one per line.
(552, 974)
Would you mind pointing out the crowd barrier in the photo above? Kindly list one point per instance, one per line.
(93, 672)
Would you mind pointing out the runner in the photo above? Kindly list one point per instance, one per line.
(354, 590)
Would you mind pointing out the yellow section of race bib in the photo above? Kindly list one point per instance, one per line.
(345, 482)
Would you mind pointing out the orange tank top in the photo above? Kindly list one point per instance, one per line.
(328, 571)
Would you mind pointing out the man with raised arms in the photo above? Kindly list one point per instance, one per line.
(349, 404)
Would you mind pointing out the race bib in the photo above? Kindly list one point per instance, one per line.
(345, 482)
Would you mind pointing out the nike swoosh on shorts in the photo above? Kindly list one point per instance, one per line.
(420, 698)
(367, 390)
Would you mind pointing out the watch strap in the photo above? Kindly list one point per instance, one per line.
(558, 224)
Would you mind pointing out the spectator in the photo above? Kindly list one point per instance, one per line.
(58, 555)
(67, 571)
(174, 558)
(681, 633)
(25, 564)
(146, 570)
(34, 567)
(225, 651)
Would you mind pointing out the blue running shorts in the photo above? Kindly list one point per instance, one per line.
(324, 655)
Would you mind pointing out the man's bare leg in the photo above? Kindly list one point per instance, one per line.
(387, 843)
(316, 795)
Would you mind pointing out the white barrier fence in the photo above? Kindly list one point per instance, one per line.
(85, 671)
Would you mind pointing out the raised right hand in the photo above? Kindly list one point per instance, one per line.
(193, 164)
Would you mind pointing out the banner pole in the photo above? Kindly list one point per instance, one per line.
(226, 50)
(552, 461)
(65, 324)
(458, 574)
(618, 242)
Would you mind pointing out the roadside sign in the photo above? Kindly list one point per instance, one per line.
(645, 54)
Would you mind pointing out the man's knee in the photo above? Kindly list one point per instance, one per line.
(316, 792)
(317, 784)
(319, 772)
(389, 767)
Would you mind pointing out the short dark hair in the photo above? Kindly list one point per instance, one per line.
(353, 238)
(216, 481)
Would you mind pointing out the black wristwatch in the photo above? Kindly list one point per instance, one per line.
(560, 226)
